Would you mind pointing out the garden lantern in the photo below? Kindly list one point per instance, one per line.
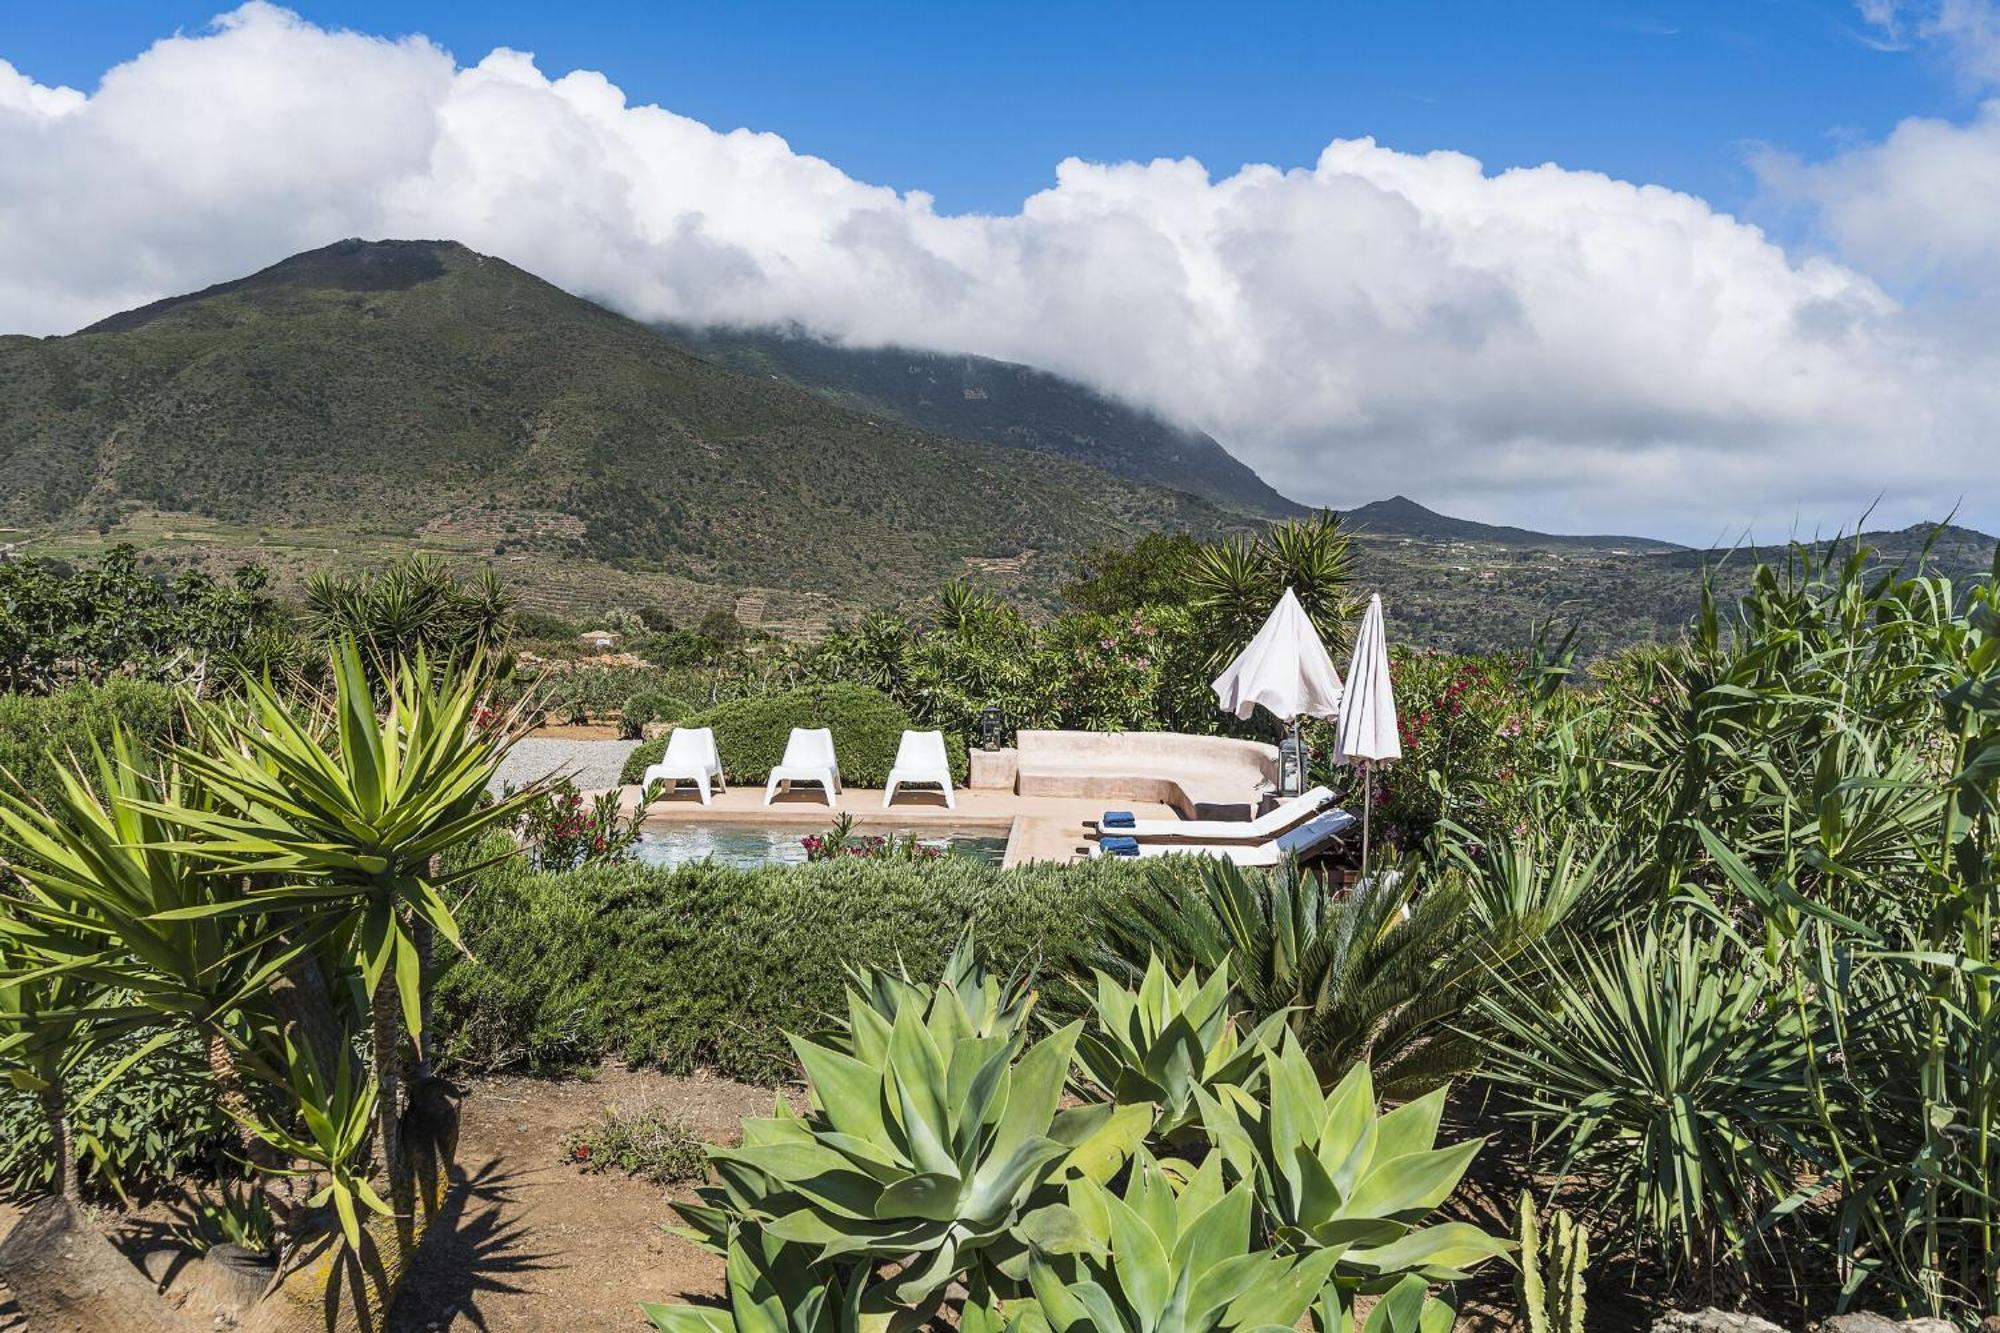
(1292, 763)
(992, 726)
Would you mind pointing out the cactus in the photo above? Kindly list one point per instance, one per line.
(1550, 1283)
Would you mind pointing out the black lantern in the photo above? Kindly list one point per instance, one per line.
(992, 725)
(1292, 764)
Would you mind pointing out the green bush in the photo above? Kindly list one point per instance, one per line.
(706, 965)
(649, 706)
(751, 734)
(155, 1123)
(33, 728)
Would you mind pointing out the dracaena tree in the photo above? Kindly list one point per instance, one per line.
(331, 824)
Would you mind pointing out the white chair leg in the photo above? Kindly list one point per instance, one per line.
(950, 803)
(889, 793)
(701, 784)
(771, 790)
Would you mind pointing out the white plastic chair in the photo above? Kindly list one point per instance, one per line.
(808, 758)
(691, 757)
(920, 758)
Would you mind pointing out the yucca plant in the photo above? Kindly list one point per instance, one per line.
(1162, 1260)
(101, 890)
(48, 1024)
(1661, 1071)
(1158, 1044)
(332, 827)
(1330, 1174)
(335, 1115)
(926, 1147)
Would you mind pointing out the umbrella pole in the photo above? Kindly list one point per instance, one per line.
(1367, 799)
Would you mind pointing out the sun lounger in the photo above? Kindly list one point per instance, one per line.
(808, 758)
(1308, 839)
(920, 758)
(691, 757)
(1281, 817)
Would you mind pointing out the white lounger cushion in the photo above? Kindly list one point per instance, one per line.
(691, 757)
(808, 758)
(920, 758)
(1304, 840)
(1267, 825)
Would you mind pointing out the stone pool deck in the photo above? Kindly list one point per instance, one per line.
(1038, 828)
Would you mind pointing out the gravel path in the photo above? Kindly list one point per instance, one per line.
(592, 764)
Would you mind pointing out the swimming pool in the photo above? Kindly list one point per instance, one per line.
(747, 845)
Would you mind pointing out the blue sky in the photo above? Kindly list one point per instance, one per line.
(977, 103)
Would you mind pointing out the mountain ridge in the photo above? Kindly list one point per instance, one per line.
(1002, 402)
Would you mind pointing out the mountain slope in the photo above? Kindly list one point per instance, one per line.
(409, 387)
(974, 398)
(1403, 517)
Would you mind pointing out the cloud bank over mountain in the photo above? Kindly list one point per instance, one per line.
(1548, 347)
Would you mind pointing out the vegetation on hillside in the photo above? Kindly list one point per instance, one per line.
(400, 386)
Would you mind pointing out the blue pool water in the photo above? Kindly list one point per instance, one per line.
(748, 846)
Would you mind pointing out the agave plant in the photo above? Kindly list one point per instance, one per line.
(1330, 1174)
(1160, 1043)
(1357, 981)
(1407, 1307)
(967, 995)
(928, 1142)
(1159, 1260)
(771, 1289)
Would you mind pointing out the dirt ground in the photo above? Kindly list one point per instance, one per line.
(538, 1245)
(534, 1244)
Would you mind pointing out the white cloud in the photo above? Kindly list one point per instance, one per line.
(1542, 346)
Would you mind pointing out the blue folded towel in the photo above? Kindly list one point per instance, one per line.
(1118, 819)
(1118, 846)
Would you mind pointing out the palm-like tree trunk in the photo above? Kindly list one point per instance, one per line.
(386, 1053)
(62, 1142)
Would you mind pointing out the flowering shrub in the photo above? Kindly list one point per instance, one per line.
(1461, 721)
(562, 832)
(842, 841)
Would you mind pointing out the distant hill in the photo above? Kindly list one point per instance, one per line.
(974, 398)
(403, 392)
(1474, 587)
(1404, 517)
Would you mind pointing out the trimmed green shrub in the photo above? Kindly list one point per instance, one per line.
(35, 727)
(751, 733)
(707, 966)
(648, 706)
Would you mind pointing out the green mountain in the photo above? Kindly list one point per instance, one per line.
(410, 392)
(974, 398)
(1400, 516)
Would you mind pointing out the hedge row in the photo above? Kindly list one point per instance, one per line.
(750, 734)
(704, 966)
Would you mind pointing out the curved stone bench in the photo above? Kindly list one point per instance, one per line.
(1200, 777)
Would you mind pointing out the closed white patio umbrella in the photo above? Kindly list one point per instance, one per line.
(1284, 670)
(1367, 735)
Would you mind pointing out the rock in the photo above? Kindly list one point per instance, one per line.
(652, 731)
(1990, 1324)
(1875, 1323)
(1712, 1321)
